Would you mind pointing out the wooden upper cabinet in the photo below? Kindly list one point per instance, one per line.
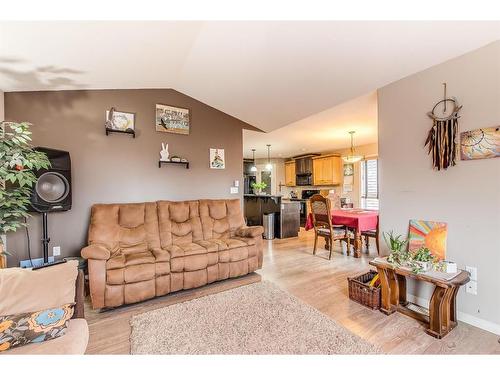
(290, 173)
(327, 170)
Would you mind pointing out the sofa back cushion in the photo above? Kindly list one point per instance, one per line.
(128, 228)
(179, 222)
(220, 217)
(23, 290)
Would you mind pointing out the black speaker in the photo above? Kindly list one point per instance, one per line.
(52, 191)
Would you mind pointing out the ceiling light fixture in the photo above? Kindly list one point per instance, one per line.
(253, 168)
(351, 158)
(269, 166)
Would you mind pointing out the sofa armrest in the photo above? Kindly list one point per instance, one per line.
(96, 252)
(79, 311)
(249, 232)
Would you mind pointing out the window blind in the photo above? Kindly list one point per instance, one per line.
(369, 184)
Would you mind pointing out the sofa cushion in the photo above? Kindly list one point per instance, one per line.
(185, 250)
(232, 243)
(179, 223)
(127, 228)
(39, 326)
(125, 260)
(34, 290)
(220, 217)
(74, 341)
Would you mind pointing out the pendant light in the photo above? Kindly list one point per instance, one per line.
(351, 158)
(253, 168)
(269, 166)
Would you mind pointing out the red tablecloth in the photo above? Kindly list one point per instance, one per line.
(356, 218)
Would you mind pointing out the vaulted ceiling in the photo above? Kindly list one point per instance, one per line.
(269, 74)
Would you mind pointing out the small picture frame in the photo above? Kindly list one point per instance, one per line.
(122, 121)
(172, 119)
(217, 160)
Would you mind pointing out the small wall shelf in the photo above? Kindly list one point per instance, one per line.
(185, 163)
(129, 132)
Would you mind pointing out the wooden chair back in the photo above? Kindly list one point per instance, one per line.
(321, 211)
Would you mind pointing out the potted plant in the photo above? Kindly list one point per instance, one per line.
(399, 254)
(18, 160)
(258, 187)
(422, 259)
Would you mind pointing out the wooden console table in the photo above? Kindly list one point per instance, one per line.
(442, 316)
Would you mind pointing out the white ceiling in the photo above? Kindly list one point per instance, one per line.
(269, 74)
(324, 131)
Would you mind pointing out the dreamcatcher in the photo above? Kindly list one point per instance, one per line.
(442, 138)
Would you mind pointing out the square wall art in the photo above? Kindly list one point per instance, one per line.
(429, 234)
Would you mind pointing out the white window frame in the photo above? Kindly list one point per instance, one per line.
(368, 202)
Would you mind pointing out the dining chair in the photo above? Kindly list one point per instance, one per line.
(366, 235)
(322, 223)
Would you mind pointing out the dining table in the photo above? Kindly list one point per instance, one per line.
(356, 219)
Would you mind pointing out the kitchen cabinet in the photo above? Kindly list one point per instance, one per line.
(290, 173)
(327, 170)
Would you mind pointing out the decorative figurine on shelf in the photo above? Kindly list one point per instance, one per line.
(109, 118)
(164, 154)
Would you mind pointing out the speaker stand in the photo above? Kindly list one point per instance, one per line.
(45, 238)
(45, 243)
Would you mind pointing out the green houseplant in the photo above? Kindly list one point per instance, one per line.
(258, 187)
(18, 160)
(399, 254)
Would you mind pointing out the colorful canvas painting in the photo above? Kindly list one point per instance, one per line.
(172, 119)
(430, 234)
(480, 144)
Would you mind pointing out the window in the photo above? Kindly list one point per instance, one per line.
(369, 184)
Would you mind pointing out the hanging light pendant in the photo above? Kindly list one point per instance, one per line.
(269, 166)
(253, 168)
(352, 158)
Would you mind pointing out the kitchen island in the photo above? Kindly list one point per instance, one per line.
(287, 213)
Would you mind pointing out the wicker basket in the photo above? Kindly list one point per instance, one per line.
(361, 292)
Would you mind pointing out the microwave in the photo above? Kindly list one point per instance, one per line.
(303, 180)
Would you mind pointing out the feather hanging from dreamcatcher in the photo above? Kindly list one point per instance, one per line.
(442, 138)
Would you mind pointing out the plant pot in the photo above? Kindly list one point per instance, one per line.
(424, 266)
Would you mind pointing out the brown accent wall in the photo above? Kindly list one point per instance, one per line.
(118, 168)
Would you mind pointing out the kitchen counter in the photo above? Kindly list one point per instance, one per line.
(287, 213)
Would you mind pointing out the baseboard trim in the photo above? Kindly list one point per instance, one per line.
(461, 316)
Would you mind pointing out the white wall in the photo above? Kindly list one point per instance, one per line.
(466, 196)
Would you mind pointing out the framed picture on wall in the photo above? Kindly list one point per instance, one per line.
(171, 119)
(217, 160)
(481, 143)
(119, 120)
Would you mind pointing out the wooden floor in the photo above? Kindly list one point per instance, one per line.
(319, 282)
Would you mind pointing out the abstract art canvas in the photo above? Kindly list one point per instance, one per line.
(480, 143)
(430, 234)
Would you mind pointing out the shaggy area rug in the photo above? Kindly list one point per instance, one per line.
(254, 319)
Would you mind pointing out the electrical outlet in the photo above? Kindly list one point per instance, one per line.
(472, 271)
(471, 287)
(236, 183)
(56, 251)
(234, 190)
